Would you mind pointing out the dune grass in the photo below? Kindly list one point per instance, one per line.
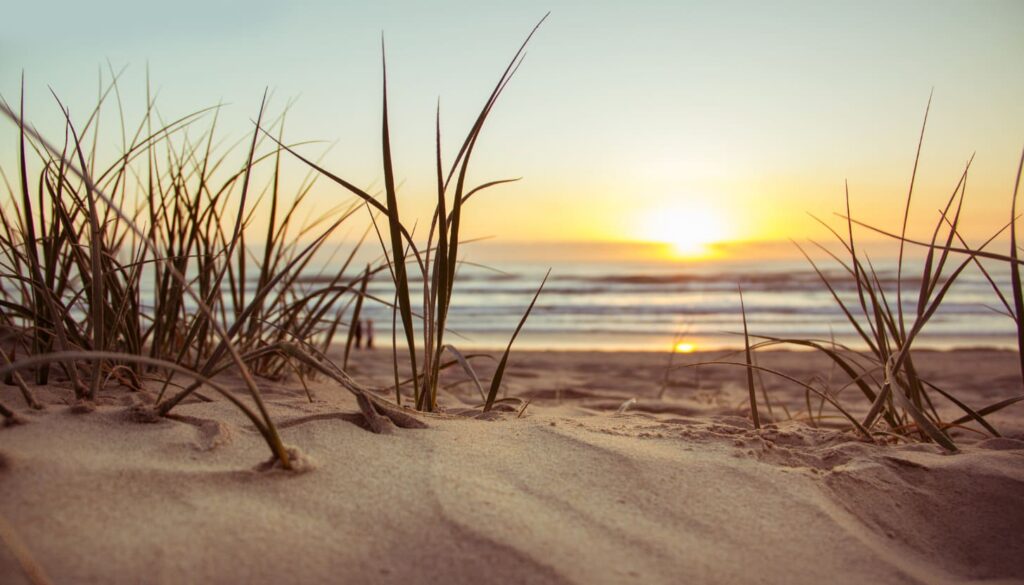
(436, 261)
(80, 244)
(142, 273)
(901, 401)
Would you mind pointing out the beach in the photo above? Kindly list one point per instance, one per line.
(587, 477)
(699, 292)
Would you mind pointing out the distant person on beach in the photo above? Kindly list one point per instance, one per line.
(359, 333)
(369, 334)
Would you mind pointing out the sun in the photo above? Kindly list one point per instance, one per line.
(690, 230)
(686, 347)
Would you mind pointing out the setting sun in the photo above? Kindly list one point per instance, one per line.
(685, 347)
(689, 230)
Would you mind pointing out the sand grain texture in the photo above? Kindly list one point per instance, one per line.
(672, 491)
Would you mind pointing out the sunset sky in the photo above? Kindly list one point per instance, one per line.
(724, 121)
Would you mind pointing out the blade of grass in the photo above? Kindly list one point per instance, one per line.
(750, 364)
(395, 227)
(499, 373)
(466, 367)
(1015, 280)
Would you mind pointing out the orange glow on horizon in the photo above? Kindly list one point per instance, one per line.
(691, 231)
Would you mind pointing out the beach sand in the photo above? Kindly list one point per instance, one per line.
(677, 489)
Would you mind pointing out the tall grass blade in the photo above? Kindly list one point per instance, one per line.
(1015, 279)
(395, 229)
(906, 215)
(499, 372)
(750, 364)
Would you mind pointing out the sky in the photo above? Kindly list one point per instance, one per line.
(680, 122)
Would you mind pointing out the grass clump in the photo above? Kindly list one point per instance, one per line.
(899, 399)
(126, 273)
(435, 263)
(143, 270)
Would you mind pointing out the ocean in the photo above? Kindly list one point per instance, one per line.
(638, 306)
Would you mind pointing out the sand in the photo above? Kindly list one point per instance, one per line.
(678, 489)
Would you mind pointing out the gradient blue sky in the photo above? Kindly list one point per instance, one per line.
(754, 112)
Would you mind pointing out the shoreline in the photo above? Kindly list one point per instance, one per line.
(708, 352)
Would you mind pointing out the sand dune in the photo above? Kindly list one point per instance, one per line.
(673, 490)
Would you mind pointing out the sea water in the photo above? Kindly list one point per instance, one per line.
(655, 306)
